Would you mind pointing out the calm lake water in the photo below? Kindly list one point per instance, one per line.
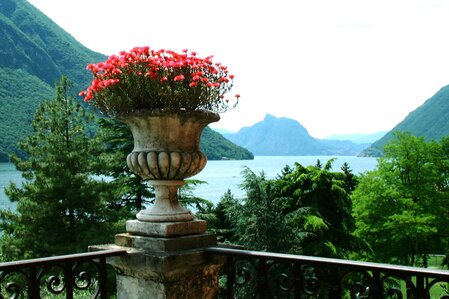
(222, 175)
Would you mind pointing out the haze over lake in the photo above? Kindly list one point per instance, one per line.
(223, 175)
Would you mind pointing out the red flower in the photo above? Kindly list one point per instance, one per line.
(179, 78)
(115, 80)
(117, 71)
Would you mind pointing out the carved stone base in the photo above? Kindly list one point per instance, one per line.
(166, 207)
(157, 244)
(166, 229)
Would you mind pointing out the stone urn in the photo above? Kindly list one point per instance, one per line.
(167, 151)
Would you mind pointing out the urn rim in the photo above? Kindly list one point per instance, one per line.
(204, 115)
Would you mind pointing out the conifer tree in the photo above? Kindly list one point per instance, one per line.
(320, 209)
(61, 207)
(257, 220)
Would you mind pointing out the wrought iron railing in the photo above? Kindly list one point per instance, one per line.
(60, 276)
(251, 274)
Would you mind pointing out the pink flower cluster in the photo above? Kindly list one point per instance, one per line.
(160, 75)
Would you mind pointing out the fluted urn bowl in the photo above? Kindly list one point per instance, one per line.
(167, 151)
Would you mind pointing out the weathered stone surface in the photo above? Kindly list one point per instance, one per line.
(166, 207)
(166, 229)
(166, 151)
(201, 284)
(158, 132)
(157, 244)
(188, 274)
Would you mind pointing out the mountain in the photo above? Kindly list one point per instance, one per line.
(430, 120)
(286, 137)
(34, 53)
(358, 138)
(34, 43)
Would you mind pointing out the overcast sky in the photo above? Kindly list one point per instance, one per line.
(337, 67)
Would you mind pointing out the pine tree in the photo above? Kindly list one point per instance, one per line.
(61, 207)
(257, 220)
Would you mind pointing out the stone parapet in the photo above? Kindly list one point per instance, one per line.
(165, 268)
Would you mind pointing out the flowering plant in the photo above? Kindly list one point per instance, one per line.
(165, 80)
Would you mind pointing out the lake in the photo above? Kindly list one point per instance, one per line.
(223, 175)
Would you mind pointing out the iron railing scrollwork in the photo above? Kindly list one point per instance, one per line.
(58, 275)
(251, 274)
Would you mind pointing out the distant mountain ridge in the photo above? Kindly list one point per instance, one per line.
(358, 138)
(430, 120)
(287, 137)
(34, 53)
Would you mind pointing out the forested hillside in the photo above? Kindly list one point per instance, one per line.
(216, 147)
(34, 53)
(430, 120)
(19, 94)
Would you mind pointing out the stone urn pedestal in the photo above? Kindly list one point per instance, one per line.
(167, 151)
(165, 257)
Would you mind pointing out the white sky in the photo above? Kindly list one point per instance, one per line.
(337, 67)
